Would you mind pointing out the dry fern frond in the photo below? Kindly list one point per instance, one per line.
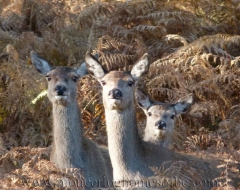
(34, 171)
(198, 142)
(108, 43)
(174, 174)
(155, 31)
(173, 37)
(226, 181)
(92, 13)
(5, 38)
(116, 61)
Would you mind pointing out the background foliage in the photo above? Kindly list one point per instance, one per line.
(193, 46)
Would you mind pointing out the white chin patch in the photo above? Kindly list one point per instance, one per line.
(114, 101)
(160, 131)
(160, 134)
(60, 97)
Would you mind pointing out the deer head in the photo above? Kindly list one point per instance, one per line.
(118, 86)
(161, 116)
(62, 81)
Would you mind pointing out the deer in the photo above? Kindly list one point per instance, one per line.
(132, 158)
(161, 117)
(71, 149)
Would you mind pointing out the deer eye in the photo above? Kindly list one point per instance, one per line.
(130, 83)
(149, 114)
(103, 82)
(74, 78)
(172, 116)
(48, 77)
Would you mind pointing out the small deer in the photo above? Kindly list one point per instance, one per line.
(161, 116)
(71, 149)
(133, 159)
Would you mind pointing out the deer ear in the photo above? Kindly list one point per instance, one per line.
(183, 104)
(140, 68)
(142, 99)
(94, 67)
(40, 64)
(82, 70)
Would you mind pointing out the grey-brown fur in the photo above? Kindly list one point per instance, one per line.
(71, 149)
(132, 158)
(160, 117)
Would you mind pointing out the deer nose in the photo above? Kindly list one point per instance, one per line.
(160, 124)
(60, 89)
(115, 93)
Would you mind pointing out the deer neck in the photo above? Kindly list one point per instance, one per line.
(123, 142)
(148, 133)
(67, 136)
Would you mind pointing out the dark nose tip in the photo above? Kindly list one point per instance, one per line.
(115, 93)
(60, 90)
(160, 124)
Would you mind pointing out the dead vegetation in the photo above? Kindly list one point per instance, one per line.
(194, 47)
